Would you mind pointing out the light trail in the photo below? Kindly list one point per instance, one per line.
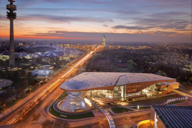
(80, 62)
(17, 116)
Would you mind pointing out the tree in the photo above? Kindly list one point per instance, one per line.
(24, 84)
(29, 74)
(17, 74)
(4, 74)
(10, 75)
(10, 92)
(178, 79)
(2, 100)
(19, 91)
(23, 73)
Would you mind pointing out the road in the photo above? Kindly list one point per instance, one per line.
(51, 98)
(59, 80)
(22, 104)
(42, 110)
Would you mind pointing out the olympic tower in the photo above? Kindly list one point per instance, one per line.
(11, 16)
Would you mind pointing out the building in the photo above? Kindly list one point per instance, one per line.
(43, 71)
(21, 44)
(11, 15)
(171, 116)
(4, 55)
(115, 86)
(5, 83)
(103, 41)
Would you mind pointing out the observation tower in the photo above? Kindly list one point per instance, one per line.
(11, 16)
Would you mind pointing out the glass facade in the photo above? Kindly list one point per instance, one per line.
(79, 101)
(75, 102)
(119, 93)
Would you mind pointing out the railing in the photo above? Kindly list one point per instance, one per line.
(106, 113)
(176, 99)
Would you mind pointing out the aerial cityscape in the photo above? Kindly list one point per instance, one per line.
(96, 64)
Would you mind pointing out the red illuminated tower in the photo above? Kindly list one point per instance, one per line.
(11, 16)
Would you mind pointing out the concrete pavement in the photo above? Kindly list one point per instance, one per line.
(182, 93)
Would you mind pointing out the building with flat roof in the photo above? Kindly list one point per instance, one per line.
(171, 116)
(116, 86)
(103, 41)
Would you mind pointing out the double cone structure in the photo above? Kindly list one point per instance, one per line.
(74, 103)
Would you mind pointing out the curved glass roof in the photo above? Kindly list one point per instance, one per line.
(93, 80)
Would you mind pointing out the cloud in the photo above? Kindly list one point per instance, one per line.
(169, 15)
(38, 17)
(158, 17)
(163, 23)
(130, 27)
(128, 11)
(158, 36)
(168, 4)
(176, 26)
(81, 1)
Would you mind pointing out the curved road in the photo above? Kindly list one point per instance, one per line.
(106, 113)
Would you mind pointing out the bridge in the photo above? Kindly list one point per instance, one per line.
(106, 113)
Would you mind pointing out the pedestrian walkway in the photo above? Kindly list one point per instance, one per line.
(106, 113)
(182, 93)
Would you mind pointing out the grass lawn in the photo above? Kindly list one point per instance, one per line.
(135, 117)
(64, 94)
(68, 116)
(130, 65)
(120, 110)
(140, 108)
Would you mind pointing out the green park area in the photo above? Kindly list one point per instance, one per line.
(120, 109)
(68, 116)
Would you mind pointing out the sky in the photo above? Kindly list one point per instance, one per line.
(88, 20)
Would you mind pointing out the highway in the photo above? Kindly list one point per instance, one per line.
(42, 110)
(41, 93)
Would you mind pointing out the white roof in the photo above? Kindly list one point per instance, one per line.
(22, 54)
(43, 72)
(5, 82)
(91, 80)
(5, 52)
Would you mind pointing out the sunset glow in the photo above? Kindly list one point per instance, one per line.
(161, 20)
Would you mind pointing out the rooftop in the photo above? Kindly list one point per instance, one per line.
(5, 82)
(175, 116)
(93, 80)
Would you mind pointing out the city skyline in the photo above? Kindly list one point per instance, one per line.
(124, 21)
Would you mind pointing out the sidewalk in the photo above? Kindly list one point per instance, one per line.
(182, 93)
